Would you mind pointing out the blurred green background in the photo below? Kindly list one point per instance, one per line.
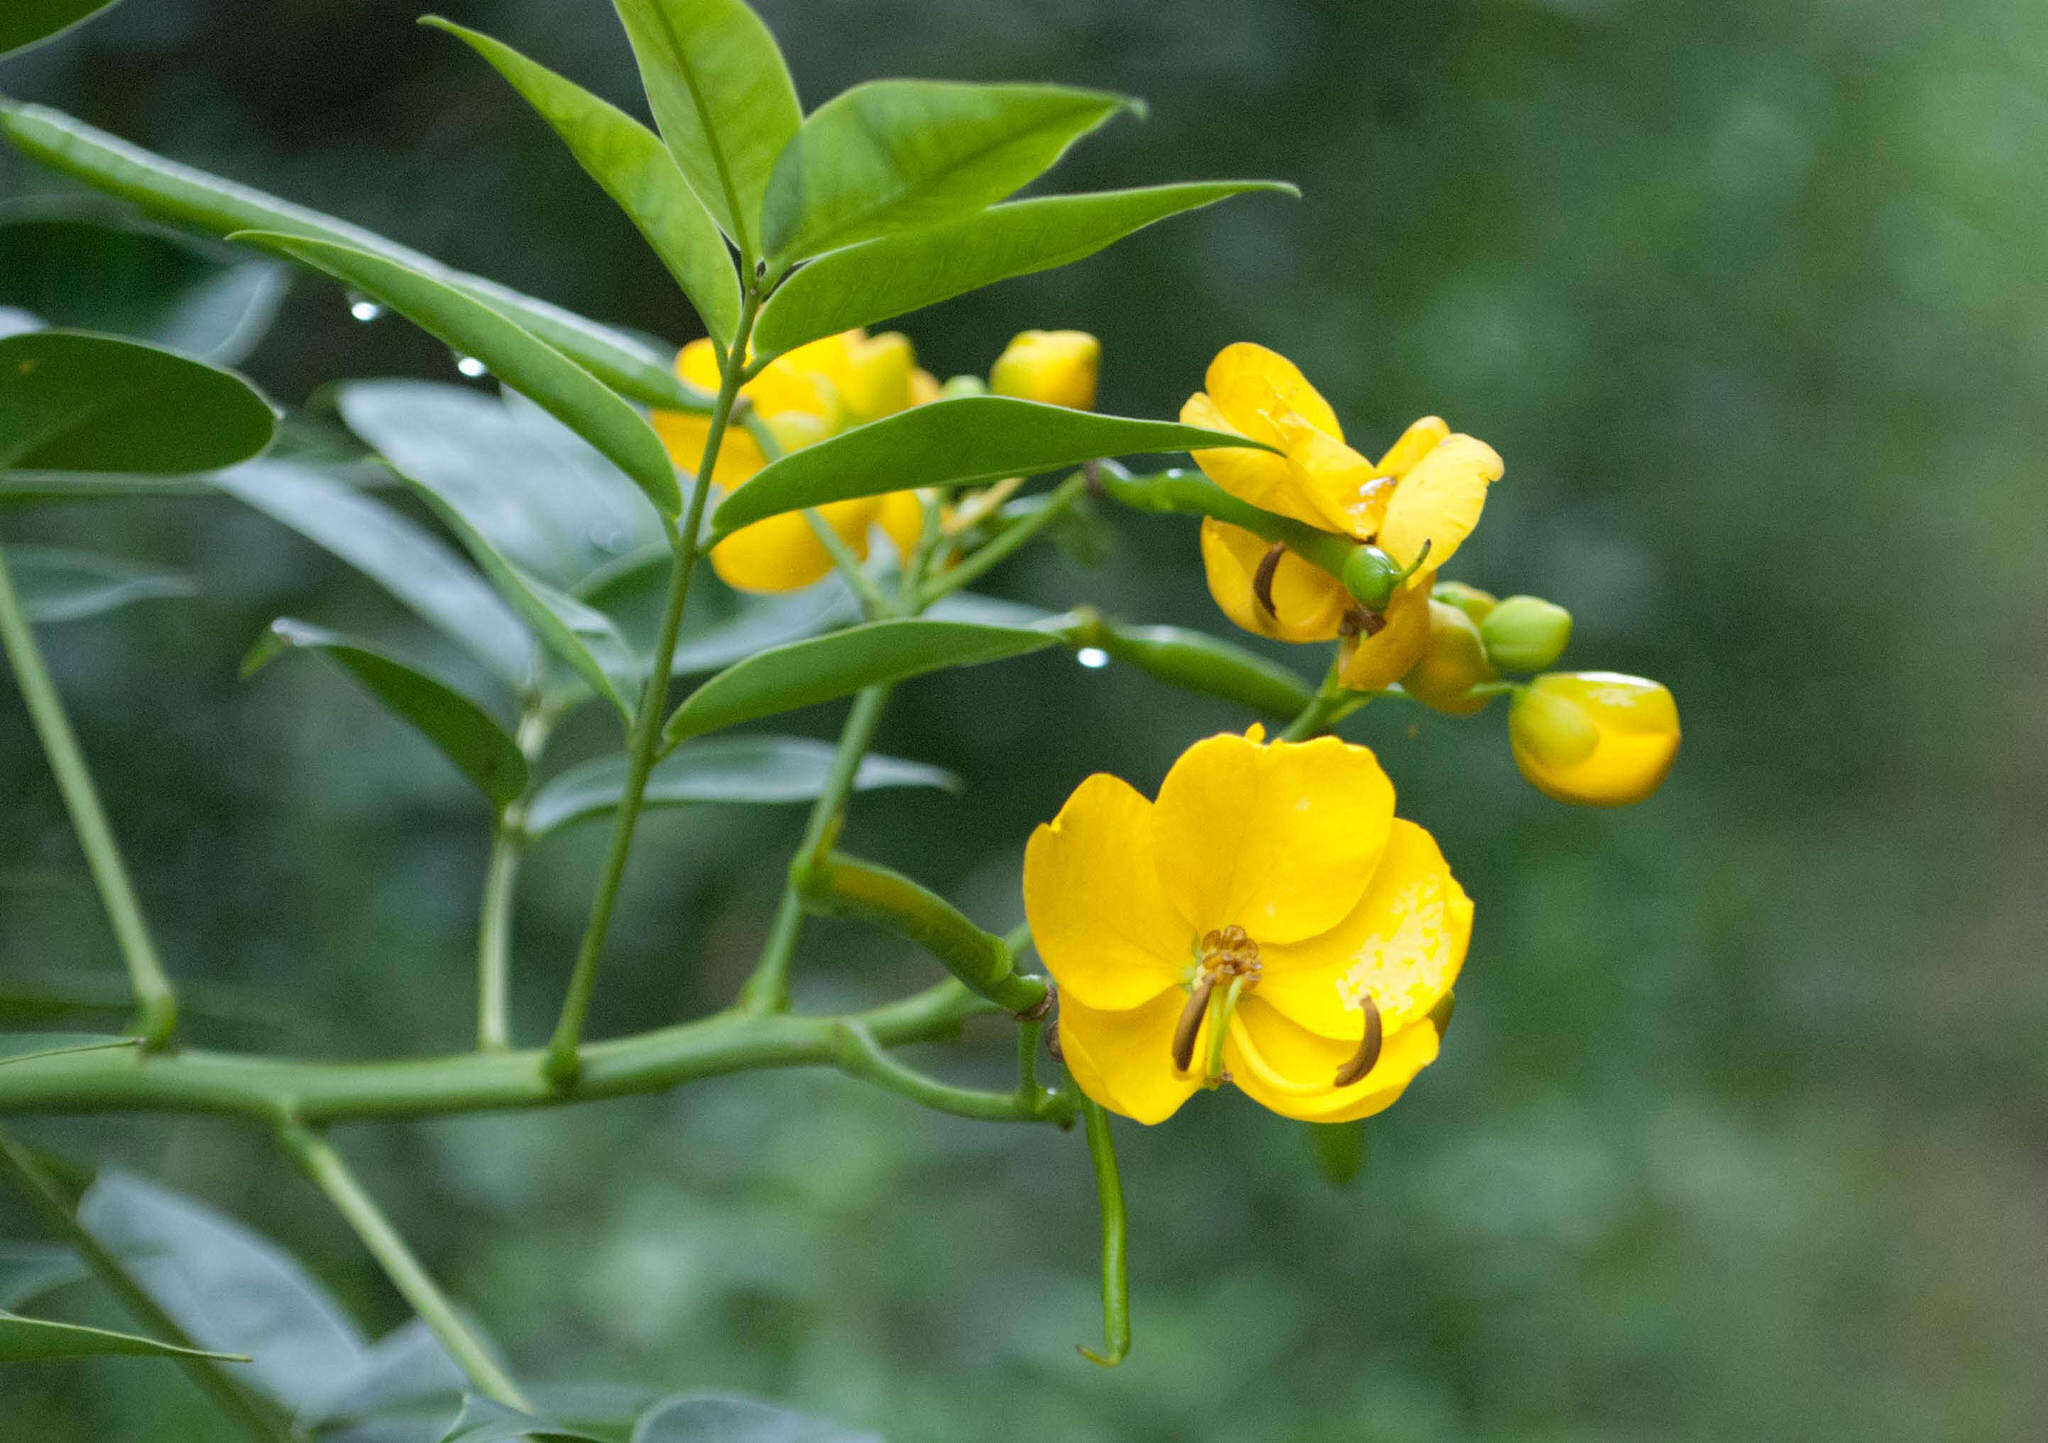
(1739, 1133)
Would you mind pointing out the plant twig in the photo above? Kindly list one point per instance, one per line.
(1109, 1194)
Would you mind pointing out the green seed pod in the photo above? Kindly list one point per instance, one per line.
(1468, 599)
(1453, 662)
(1371, 575)
(1525, 633)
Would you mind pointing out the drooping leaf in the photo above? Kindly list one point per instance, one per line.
(804, 673)
(749, 769)
(725, 1418)
(722, 97)
(896, 274)
(970, 438)
(227, 1287)
(522, 360)
(70, 401)
(20, 1046)
(34, 1340)
(407, 560)
(179, 193)
(467, 735)
(58, 584)
(92, 275)
(893, 154)
(636, 170)
(28, 1270)
(27, 22)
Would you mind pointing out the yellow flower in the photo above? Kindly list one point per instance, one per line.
(803, 396)
(1429, 487)
(1596, 738)
(1057, 367)
(1263, 922)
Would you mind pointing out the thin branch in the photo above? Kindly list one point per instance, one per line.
(1116, 1286)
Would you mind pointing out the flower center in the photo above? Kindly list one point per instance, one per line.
(1226, 963)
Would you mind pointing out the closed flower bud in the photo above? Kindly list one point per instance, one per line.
(1595, 738)
(1468, 599)
(1525, 633)
(1057, 367)
(1453, 662)
(958, 386)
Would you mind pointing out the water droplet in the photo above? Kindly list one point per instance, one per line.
(470, 366)
(363, 308)
(1092, 657)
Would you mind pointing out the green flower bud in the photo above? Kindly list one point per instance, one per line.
(1371, 576)
(1468, 599)
(957, 386)
(1525, 633)
(1453, 662)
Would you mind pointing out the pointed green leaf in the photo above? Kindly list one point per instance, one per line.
(57, 584)
(20, 1046)
(766, 622)
(407, 560)
(807, 672)
(758, 770)
(896, 274)
(191, 197)
(467, 735)
(29, 1340)
(722, 97)
(70, 401)
(893, 154)
(517, 357)
(28, 22)
(969, 438)
(636, 170)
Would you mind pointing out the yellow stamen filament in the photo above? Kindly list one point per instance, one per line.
(1368, 1047)
(1219, 1028)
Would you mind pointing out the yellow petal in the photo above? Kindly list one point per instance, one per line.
(1595, 738)
(1056, 367)
(1261, 478)
(1293, 1071)
(900, 514)
(1439, 500)
(1280, 840)
(697, 363)
(783, 553)
(1376, 662)
(1416, 442)
(924, 387)
(1098, 915)
(1124, 1059)
(1308, 602)
(878, 377)
(685, 433)
(1402, 945)
(1346, 488)
(1247, 381)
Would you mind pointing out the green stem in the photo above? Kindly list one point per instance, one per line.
(1056, 505)
(848, 565)
(257, 1420)
(859, 1055)
(767, 990)
(321, 1163)
(1109, 1194)
(1190, 493)
(1194, 661)
(157, 1004)
(274, 1091)
(1332, 702)
(645, 739)
(501, 880)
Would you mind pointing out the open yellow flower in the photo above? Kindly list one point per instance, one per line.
(1596, 738)
(803, 396)
(1268, 921)
(1429, 488)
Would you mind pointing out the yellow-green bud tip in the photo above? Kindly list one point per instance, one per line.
(1525, 633)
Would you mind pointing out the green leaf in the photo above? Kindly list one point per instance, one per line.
(63, 585)
(406, 1372)
(722, 1418)
(883, 278)
(407, 560)
(893, 154)
(466, 734)
(517, 357)
(722, 98)
(807, 672)
(483, 1421)
(33, 1340)
(18, 488)
(70, 401)
(769, 621)
(191, 197)
(28, 1270)
(86, 274)
(969, 438)
(751, 769)
(636, 170)
(26, 22)
(20, 1046)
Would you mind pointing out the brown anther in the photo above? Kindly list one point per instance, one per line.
(1360, 621)
(1262, 579)
(1052, 1041)
(1191, 1022)
(1368, 1047)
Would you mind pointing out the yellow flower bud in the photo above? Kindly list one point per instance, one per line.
(1525, 633)
(1595, 738)
(1453, 661)
(1057, 367)
(1468, 599)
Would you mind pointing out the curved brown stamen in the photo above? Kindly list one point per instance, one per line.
(1190, 1023)
(1262, 579)
(1368, 1047)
